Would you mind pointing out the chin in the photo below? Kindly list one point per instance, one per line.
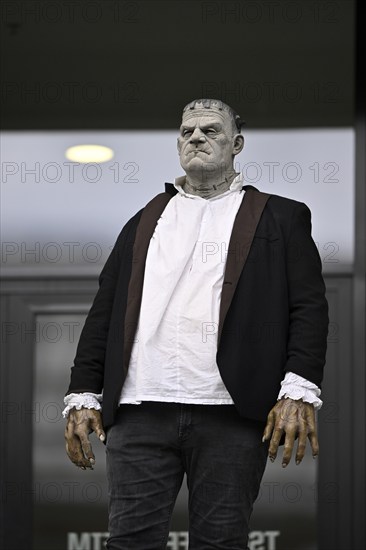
(193, 164)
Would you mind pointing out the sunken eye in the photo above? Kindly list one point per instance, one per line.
(208, 131)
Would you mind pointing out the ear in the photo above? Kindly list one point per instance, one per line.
(179, 145)
(238, 144)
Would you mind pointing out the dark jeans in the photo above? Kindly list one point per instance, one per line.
(149, 448)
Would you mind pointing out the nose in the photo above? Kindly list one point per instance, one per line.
(197, 136)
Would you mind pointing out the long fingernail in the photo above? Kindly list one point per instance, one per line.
(92, 461)
(263, 439)
(102, 437)
(298, 462)
(284, 464)
(315, 456)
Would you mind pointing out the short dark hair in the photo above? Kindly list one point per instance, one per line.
(217, 104)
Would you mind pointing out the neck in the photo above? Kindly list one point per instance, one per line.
(210, 188)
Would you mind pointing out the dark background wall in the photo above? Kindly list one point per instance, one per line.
(133, 64)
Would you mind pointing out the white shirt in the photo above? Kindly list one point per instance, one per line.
(173, 356)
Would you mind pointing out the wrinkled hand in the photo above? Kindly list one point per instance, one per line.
(292, 418)
(79, 425)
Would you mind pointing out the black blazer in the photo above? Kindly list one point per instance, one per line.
(273, 310)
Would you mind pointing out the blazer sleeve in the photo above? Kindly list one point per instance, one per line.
(308, 307)
(87, 373)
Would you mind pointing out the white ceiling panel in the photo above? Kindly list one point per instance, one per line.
(61, 217)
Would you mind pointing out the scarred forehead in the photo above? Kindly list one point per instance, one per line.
(205, 116)
(207, 111)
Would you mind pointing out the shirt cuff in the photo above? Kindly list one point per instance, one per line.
(296, 387)
(82, 400)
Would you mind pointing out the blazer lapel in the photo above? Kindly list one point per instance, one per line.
(145, 229)
(244, 228)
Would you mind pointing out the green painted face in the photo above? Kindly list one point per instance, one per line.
(207, 142)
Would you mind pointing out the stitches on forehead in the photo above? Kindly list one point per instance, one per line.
(188, 115)
(207, 104)
(204, 106)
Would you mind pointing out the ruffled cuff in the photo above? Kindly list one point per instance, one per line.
(296, 387)
(80, 400)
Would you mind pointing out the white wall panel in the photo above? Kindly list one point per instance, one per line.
(49, 203)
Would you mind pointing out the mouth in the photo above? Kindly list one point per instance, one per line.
(196, 151)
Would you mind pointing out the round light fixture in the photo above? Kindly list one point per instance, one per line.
(89, 153)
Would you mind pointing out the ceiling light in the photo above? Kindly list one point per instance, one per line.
(89, 153)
